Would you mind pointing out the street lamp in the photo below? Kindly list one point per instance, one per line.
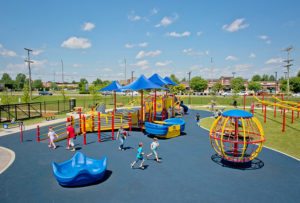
(189, 73)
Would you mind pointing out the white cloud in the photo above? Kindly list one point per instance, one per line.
(265, 38)
(37, 52)
(88, 26)
(153, 11)
(242, 67)
(163, 63)
(143, 44)
(76, 65)
(129, 46)
(142, 54)
(252, 55)
(199, 33)
(6, 53)
(142, 64)
(274, 61)
(166, 21)
(133, 17)
(107, 69)
(175, 34)
(191, 52)
(236, 25)
(76, 43)
(231, 58)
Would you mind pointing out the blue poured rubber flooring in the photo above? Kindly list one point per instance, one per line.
(190, 172)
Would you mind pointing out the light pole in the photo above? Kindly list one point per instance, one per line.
(29, 62)
(189, 73)
(233, 74)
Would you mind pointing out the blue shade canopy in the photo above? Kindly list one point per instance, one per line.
(169, 81)
(236, 113)
(142, 83)
(114, 86)
(155, 78)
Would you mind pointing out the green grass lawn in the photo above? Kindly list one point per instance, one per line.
(287, 142)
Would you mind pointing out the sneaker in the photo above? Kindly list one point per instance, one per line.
(131, 165)
(68, 148)
(142, 167)
(72, 150)
(49, 146)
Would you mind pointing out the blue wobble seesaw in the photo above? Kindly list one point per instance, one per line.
(79, 170)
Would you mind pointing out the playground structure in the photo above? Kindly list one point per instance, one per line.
(237, 136)
(277, 104)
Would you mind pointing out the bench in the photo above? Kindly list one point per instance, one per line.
(48, 116)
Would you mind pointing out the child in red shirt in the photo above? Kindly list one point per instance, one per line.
(71, 135)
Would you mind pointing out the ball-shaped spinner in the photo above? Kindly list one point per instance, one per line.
(237, 136)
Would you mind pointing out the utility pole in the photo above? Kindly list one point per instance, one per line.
(29, 62)
(62, 71)
(288, 65)
(189, 73)
(275, 82)
(233, 74)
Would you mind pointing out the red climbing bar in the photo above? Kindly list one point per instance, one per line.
(99, 127)
(265, 113)
(283, 121)
(84, 130)
(244, 102)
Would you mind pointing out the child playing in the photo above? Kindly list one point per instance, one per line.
(139, 156)
(52, 135)
(154, 145)
(71, 136)
(198, 118)
(122, 134)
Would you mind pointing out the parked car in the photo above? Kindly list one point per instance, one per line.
(106, 93)
(227, 94)
(134, 93)
(121, 93)
(262, 92)
(296, 94)
(242, 93)
(45, 93)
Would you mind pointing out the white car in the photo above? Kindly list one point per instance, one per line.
(243, 93)
(296, 94)
(226, 94)
(134, 93)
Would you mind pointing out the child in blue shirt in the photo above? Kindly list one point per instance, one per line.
(139, 156)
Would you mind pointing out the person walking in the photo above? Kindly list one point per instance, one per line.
(154, 145)
(121, 136)
(139, 157)
(198, 119)
(52, 135)
(71, 136)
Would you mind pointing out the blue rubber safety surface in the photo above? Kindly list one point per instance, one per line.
(189, 172)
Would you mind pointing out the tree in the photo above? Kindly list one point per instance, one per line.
(298, 74)
(6, 79)
(20, 80)
(93, 89)
(256, 78)
(272, 78)
(217, 87)
(173, 77)
(265, 77)
(53, 86)
(283, 85)
(198, 84)
(255, 86)
(26, 96)
(183, 80)
(83, 86)
(177, 89)
(295, 84)
(97, 82)
(37, 84)
(237, 84)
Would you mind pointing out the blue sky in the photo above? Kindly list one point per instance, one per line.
(93, 38)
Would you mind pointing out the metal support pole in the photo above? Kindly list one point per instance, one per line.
(99, 127)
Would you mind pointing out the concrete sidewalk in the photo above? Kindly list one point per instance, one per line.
(9, 131)
(7, 157)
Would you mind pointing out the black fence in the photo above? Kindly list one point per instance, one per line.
(32, 110)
